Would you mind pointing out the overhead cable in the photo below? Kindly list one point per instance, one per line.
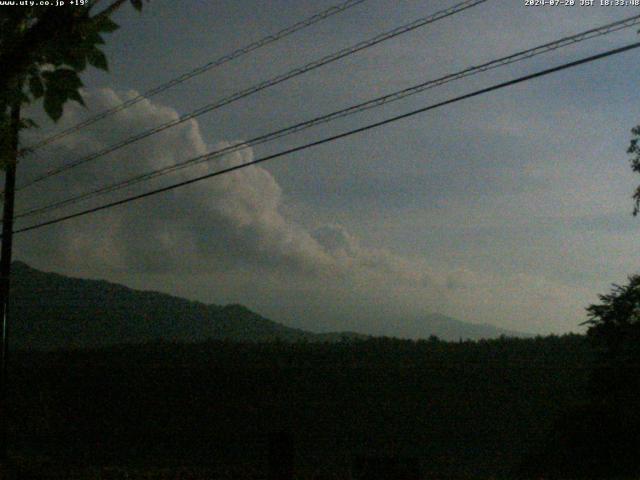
(352, 110)
(332, 138)
(259, 87)
(318, 17)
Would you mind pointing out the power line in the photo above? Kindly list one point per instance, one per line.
(329, 12)
(519, 56)
(262, 86)
(332, 138)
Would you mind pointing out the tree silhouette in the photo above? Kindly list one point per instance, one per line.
(599, 437)
(614, 331)
(634, 149)
(42, 51)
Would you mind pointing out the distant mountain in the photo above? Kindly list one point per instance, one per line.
(54, 311)
(448, 328)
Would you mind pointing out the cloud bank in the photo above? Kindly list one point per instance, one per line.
(227, 239)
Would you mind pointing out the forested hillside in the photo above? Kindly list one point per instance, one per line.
(51, 311)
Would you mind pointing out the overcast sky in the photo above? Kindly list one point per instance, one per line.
(513, 208)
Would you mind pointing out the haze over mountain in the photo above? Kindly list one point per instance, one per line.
(55, 311)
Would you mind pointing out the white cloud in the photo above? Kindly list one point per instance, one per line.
(232, 229)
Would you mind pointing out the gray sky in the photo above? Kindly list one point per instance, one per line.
(513, 208)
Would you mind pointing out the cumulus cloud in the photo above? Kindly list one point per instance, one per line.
(230, 233)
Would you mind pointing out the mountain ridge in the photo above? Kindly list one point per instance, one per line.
(53, 311)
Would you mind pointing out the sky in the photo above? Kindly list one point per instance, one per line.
(512, 208)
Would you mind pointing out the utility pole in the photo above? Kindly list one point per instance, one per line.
(5, 272)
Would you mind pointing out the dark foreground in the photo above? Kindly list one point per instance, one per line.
(451, 410)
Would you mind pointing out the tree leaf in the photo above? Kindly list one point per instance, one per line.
(63, 79)
(76, 59)
(105, 24)
(61, 84)
(93, 38)
(36, 86)
(137, 4)
(98, 59)
(75, 95)
(53, 106)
